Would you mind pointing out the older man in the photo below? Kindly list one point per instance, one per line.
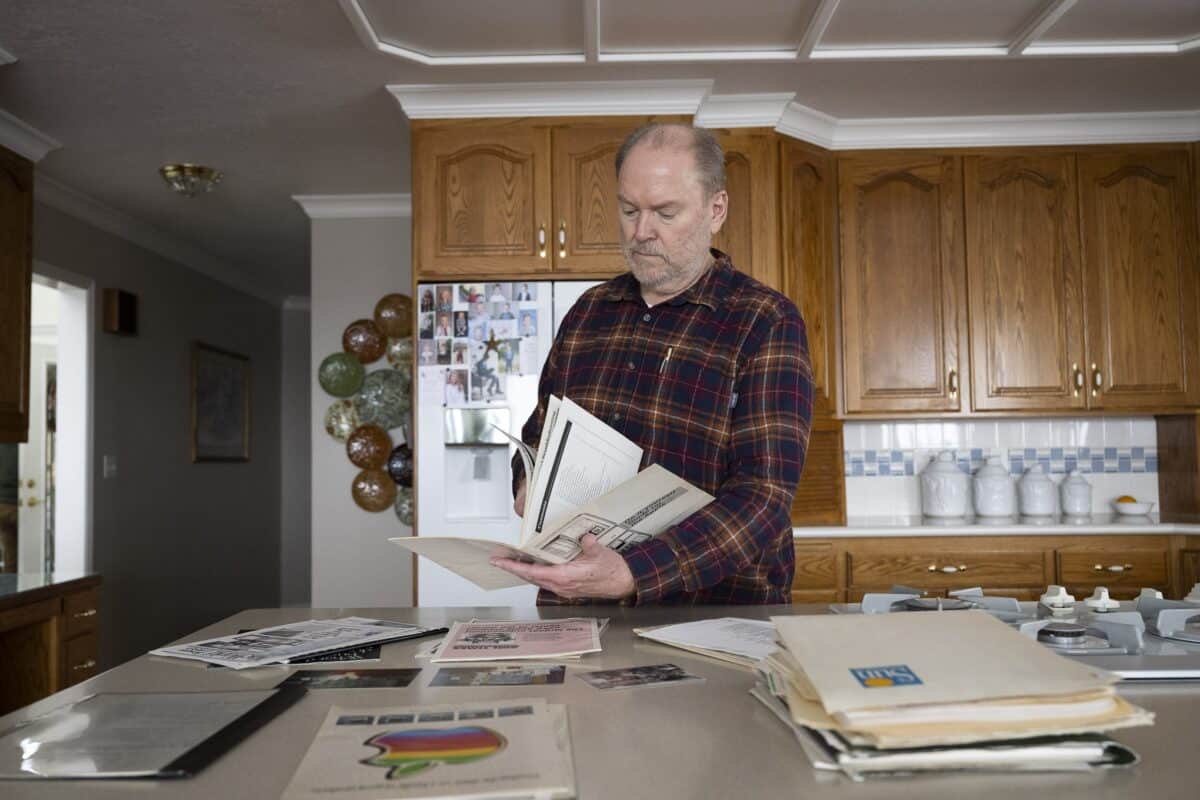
(702, 366)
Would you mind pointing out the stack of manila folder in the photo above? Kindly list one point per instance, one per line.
(960, 689)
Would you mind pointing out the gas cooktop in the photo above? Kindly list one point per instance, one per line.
(1149, 638)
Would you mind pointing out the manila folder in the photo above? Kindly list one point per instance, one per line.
(469, 558)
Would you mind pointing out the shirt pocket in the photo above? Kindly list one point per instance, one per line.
(696, 392)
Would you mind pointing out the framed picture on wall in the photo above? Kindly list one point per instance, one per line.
(220, 404)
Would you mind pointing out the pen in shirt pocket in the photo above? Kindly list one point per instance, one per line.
(663, 366)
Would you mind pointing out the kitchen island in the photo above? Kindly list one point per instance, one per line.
(701, 740)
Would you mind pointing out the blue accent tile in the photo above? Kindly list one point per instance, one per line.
(1110, 452)
(1124, 465)
(856, 468)
(1069, 463)
(870, 456)
(1085, 452)
(1056, 452)
(976, 453)
(908, 468)
(885, 468)
(897, 456)
(1031, 453)
(1151, 463)
(1139, 452)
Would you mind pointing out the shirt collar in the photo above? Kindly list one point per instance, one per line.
(709, 290)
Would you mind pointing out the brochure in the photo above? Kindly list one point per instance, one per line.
(493, 749)
(285, 644)
(497, 641)
(583, 479)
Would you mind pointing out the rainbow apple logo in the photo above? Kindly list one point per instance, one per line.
(409, 752)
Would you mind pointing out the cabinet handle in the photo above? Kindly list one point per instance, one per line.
(29, 502)
(562, 239)
(949, 569)
(1113, 568)
(1097, 380)
(953, 381)
(91, 612)
(1077, 379)
(541, 241)
(85, 665)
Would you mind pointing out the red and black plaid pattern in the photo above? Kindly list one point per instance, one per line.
(716, 386)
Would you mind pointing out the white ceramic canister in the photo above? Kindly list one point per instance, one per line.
(995, 490)
(944, 487)
(1075, 493)
(1037, 492)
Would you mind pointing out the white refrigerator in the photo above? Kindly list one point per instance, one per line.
(480, 349)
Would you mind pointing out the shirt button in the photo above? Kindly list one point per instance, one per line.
(616, 417)
(645, 318)
(631, 366)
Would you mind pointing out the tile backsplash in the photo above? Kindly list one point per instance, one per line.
(883, 460)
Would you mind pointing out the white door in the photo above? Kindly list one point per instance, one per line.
(31, 460)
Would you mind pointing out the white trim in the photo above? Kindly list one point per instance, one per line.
(684, 56)
(6, 57)
(907, 53)
(1104, 49)
(297, 302)
(816, 28)
(355, 206)
(591, 30)
(832, 133)
(92, 211)
(1189, 45)
(741, 110)
(24, 139)
(582, 98)
(1042, 20)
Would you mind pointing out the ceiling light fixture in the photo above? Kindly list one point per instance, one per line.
(190, 179)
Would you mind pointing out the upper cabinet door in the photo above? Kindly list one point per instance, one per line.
(809, 218)
(482, 199)
(903, 282)
(1139, 258)
(1024, 277)
(586, 236)
(16, 264)
(750, 235)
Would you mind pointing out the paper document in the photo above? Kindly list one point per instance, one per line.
(582, 479)
(494, 641)
(486, 748)
(748, 639)
(283, 644)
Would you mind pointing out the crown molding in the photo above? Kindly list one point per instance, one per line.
(90, 210)
(832, 133)
(24, 139)
(6, 57)
(574, 98)
(297, 302)
(742, 110)
(355, 206)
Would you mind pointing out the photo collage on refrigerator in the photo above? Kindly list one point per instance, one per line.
(476, 335)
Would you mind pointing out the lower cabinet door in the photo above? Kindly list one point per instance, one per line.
(79, 659)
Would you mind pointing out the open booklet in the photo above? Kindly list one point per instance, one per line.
(583, 479)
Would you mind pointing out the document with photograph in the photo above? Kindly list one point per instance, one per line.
(498, 641)
(505, 675)
(286, 644)
(493, 749)
(583, 479)
(633, 677)
(351, 678)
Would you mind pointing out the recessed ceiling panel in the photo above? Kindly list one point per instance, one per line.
(472, 28)
(905, 23)
(1104, 21)
(655, 26)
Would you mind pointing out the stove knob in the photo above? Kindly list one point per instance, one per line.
(1057, 597)
(1100, 601)
(1147, 594)
(1193, 595)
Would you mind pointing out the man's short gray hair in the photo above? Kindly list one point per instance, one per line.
(703, 145)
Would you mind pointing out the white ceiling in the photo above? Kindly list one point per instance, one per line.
(287, 98)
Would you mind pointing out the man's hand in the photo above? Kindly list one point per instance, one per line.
(597, 572)
(519, 500)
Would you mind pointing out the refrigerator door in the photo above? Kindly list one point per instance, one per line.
(463, 479)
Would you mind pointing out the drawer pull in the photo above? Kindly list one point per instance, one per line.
(91, 612)
(949, 569)
(1112, 568)
(85, 665)
(541, 240)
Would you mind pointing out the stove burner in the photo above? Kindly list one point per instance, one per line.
(934, 604)
(1062, 633)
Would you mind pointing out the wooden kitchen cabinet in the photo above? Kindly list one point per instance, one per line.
(750, 235)
(517, 198)
(16, 276)
(1139, 255)
(903, 282)
(1123, 565)
(1023, 269)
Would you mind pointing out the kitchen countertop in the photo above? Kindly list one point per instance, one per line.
(18, 588)
(707, 740)
(883, 526)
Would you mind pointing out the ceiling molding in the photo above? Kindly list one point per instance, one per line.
(355, 206)
(591, 30)
(575, 98)
(6, 57)
(832, 133)
(297, 302)
(742, 110)
(817, 26)
(1189, 45)
(1042, 20)
(24, 139)
(118, 223)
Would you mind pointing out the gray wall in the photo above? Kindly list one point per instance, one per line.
(295, 511)
(180, 545)
(354, 263)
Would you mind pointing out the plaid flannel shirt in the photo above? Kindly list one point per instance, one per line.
(716, 386)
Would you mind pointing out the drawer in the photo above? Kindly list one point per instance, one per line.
(79, 659)
(822, 596)
(81, 611)
(949, 569)
(816, 568)
(1112, 568)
